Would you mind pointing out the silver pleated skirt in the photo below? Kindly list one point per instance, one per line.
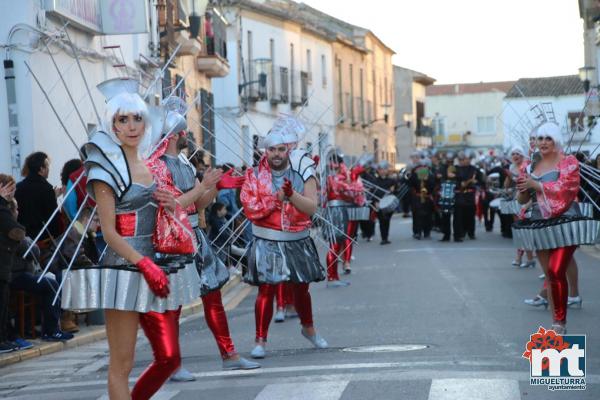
(555, 233)
(587, 209)
(213, 272)
(511, 207)
(338, 218)
(359, 213)
(124, 288)
(273, 262)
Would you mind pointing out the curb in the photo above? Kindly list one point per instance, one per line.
(95, 334)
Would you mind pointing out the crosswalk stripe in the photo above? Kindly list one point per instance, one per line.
(474, 389)
(160, 395)
(313, 391)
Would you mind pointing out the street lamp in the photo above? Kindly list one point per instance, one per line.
(385, 116)
(407, 118)
(586, 74)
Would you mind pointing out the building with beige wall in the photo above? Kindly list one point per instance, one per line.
(410, 105)
(467, 114)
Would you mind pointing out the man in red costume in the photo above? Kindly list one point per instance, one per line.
(279, 196)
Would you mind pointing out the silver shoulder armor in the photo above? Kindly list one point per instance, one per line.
(105, 161)
(301, 163)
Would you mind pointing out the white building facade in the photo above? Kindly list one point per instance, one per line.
(560, 98)
(278, 66)
(27, 122)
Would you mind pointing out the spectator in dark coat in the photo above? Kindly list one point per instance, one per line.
(37, 198)
(11, 233)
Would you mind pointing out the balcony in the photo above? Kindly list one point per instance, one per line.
(214, 66)
(258, 79)
(279, 85)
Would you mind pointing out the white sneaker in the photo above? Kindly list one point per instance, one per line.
(279, 316)
(182, 375)
(575, 302)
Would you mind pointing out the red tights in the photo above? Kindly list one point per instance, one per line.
(285, 295)
(332, 261)
(351, 232)
(216, 319)
(263, 308)
(162, 330)
(558, 261)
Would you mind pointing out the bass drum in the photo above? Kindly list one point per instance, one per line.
(388, 204)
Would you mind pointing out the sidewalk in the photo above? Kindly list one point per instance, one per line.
(90, 334)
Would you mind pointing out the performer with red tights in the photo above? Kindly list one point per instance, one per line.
(345, 193)
(194, 195)
(129, 284)
(285, 302)
(555, 226)
(279, 196)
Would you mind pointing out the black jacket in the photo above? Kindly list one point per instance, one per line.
(11, 232)
(37, 202)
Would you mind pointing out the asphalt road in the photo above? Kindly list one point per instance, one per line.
(448, 318)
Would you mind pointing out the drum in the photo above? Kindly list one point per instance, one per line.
(447, 196)
(496, 202)
(388, 204)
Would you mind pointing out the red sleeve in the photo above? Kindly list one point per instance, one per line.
(556, 197)
(258, 203)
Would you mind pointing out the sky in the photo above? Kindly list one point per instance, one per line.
(461, 41)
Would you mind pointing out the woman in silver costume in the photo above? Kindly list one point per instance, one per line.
(128, 284)
(194, 197)
(555, 225)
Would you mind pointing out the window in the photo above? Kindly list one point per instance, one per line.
(576, 121)
(338, 65)
(439, 126)
(309, 65)
(324, 70)
(362, 97)
(486, 125)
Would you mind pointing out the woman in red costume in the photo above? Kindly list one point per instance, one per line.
(555, 225)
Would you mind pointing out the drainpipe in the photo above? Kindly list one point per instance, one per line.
(13, 121)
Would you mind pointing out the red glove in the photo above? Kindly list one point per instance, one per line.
(287, 188)
(355, 172)
(230, 182)
(154, 276)
(316, 159)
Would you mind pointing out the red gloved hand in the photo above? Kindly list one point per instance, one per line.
(316, 159)
(230, 182)
(154, 276)
(355, 172)
(287, 188)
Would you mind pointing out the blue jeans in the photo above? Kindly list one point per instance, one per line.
(45, 291)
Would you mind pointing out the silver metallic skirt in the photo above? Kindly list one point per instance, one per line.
(554, 233)
(338, 218)
(359, 213)
(123, 287)
(587, 209)
(273, 262)
(510, 207)
(213, 272)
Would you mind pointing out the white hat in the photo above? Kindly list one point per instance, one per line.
(285, 130)
(552, 130)
(517, 148)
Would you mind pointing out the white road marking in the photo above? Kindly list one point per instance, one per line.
(291, 391)
(453, 249)
(474, 389)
